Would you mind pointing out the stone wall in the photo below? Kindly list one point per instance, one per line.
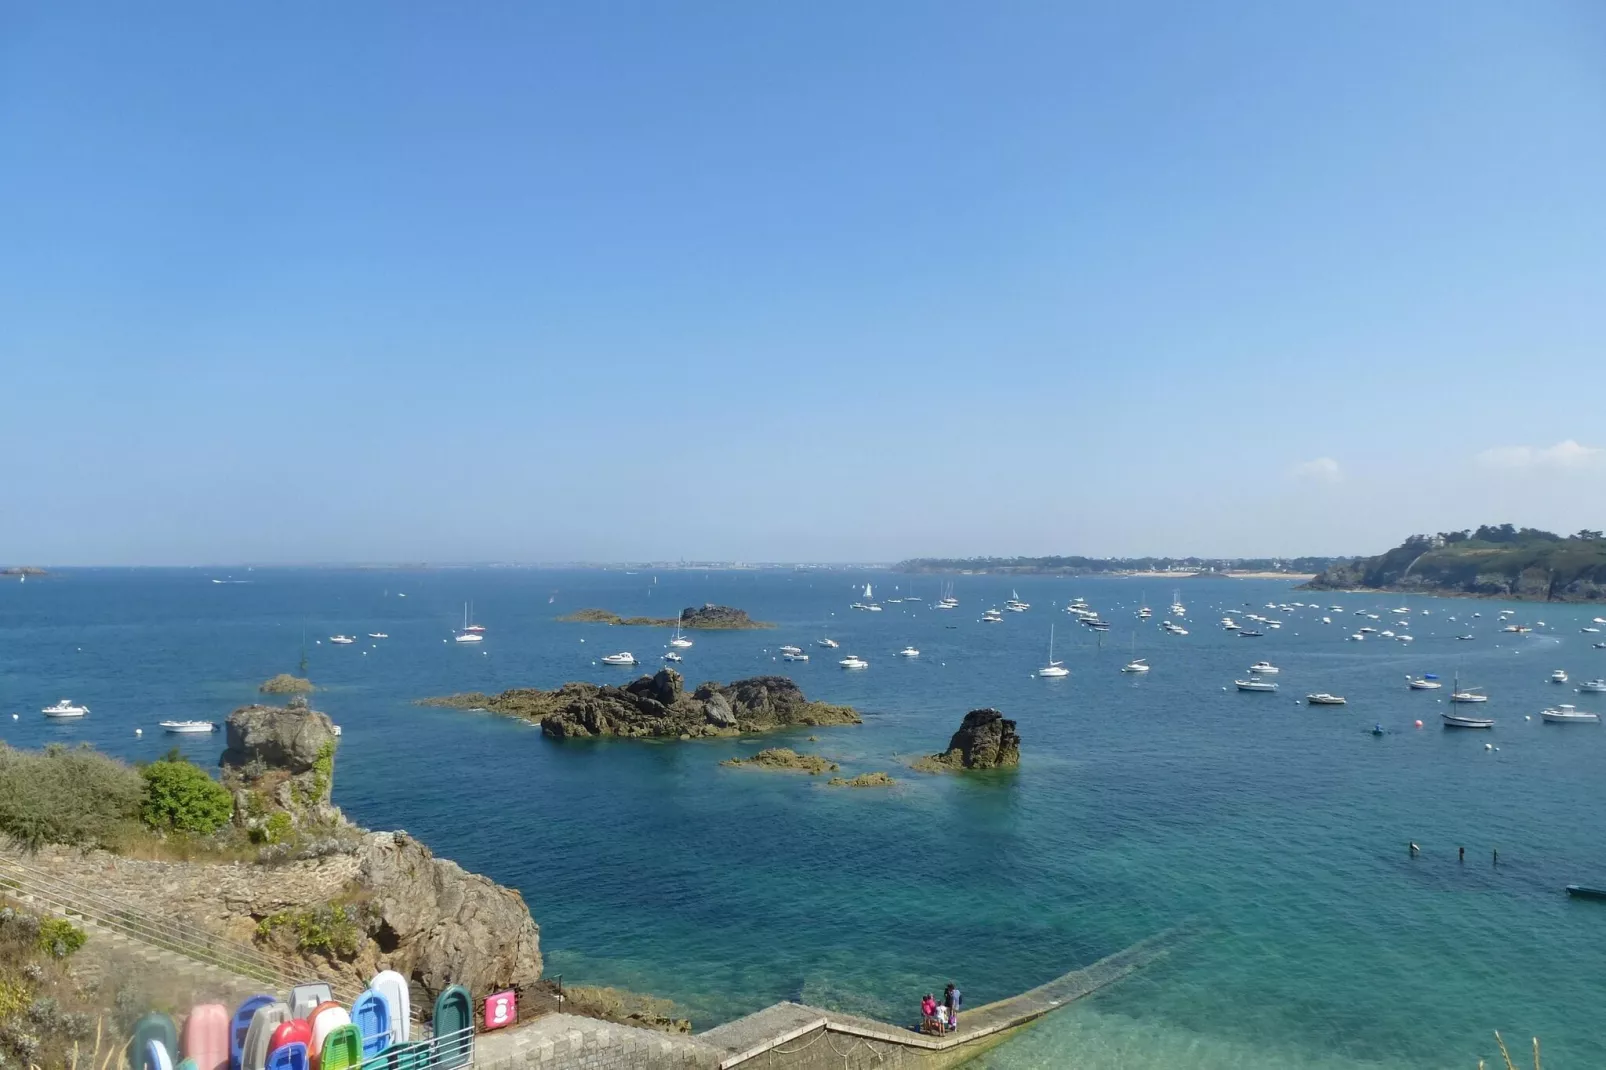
(572, 1043)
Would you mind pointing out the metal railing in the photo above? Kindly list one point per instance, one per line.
(233, 956)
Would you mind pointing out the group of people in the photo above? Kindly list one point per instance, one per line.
(941, 1017)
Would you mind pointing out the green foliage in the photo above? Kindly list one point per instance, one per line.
(181, 797)
(330, 929)
(1495, 559)
(323, 775)
(75, 796)
(59, 937)
(278, 828)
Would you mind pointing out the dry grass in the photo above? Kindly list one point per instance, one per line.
(626, 1008)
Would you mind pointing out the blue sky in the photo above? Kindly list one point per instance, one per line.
(827, 281)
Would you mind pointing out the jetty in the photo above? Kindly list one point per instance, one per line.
(794, 1036)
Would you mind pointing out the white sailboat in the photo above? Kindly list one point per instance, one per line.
(1053, 668)
(679, 640)
(1015, 605)
(470, 633)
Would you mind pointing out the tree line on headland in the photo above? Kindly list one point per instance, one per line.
(1494, 560)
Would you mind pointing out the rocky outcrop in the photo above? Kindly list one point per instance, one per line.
(439, 925)
(285, 684)
(985, 740)
(863, 780)
(280, 759)
(659, 706)
(708, 617)
(1495, 562)
(784, 758)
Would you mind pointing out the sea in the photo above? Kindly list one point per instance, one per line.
(1266, 839)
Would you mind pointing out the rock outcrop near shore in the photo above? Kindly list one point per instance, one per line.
(985, 740)
(708, 617)
(281, 759)
(658, 706)
(285, 684)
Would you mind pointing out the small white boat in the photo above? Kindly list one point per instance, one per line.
(1230, 624)
(64, 708)
(1591, 631)
(1322, 698)
(1467, 695)
(992, 616)
(1053, 669)
(1565, 714)
(1593, 687)
(1422, 683)
(853, 661)
(672, 656)
(873, 608)
(1256, 685)
(1461, 720)
(800, 656)
(829, 644)
(1264, 668)
(679, 640)
(1466, 638)
(188, 727)
(470, 637)
(1145, 613)
(1559, 676)
(624, 657)
(342, 640)
(908, 652)
(791, 650)
(378, 635)
(1136, 665)
(1015, 605)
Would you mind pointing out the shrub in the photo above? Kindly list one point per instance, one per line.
(330, 929)
(76, 796)
(181, 797)
(59, 937)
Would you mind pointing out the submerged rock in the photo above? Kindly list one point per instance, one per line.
(863, 780)
(985, 740)
(785, 758)
(707, 617)
(659, 706)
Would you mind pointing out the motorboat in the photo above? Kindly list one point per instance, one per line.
(624, 657)
(1100, 625)
(992, 616)
(342, 640)
(1136, 665)
(1591, 631)
(1593, 687)
(1466, 638)
(1264, 668)
(873, 608)
(829, 644)
(1053, 668)
(1250, 633)
(1256, 685)
(670, 655)
(1559, 676)
(908, 652)
(853, 661)
(1357, 637)
(1565, 714)
(798, 656)
(186, 728)
(1461, 720)
(1145, 613)
(470, 637)
(1423, 683)
(1230, 624)
(378, 635)
(1322, 698)
(791, 650)
(64, 708)
(1015, 605)
(1368, 630)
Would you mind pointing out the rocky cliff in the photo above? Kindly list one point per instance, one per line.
(659, 706)
(281, 759)
(985, 740)
(1496, 562)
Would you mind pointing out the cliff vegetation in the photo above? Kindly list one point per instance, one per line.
(1497, 561)
(285, 684)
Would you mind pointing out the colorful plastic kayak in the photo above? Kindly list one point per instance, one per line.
(454, 1028)
(154, 1026)
(370, 1013)
(206, 1036)
(392, 986)
(290, 1057)
(342, 1049)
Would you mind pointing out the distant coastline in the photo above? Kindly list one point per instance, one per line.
(1165, 568)
(1493, 561)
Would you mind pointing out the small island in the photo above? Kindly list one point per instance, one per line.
(985, 740)
(708, 617)
(784, 758)
(285, 684)
(1493, 561)
(863, 780)
(659, 706)
(23, 570)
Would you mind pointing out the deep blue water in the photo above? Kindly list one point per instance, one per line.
(1140, 802)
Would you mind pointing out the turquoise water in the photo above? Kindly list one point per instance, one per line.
(1279, 830)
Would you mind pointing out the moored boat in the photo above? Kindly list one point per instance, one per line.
(188, 727)
(1462, 720)
(64, 708)
(1565, 714)
(1322, 698)
(853, 661)
(1256, 685)
(1425, 682)
(624, 657)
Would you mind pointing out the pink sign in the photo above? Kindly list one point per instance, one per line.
(500, 1009)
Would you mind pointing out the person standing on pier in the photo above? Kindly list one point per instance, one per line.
(951, 999)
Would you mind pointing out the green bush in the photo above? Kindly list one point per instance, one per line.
(181, 797)
(330, 929)
(76, 796)
(59, 937)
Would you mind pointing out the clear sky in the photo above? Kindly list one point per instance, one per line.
(773, 281)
